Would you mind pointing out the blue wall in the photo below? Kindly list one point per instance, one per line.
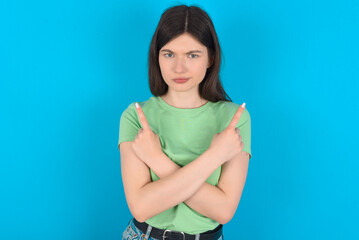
(68, 70)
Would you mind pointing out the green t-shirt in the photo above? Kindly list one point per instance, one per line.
(184, 135)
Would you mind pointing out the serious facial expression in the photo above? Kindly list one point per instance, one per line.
(183, 57)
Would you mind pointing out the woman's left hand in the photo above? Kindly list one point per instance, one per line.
(146, 145)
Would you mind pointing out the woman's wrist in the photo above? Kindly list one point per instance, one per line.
(216, 155)
(163, 166)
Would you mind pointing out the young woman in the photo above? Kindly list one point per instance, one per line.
(184, 151)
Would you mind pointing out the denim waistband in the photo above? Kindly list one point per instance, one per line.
(167, 234)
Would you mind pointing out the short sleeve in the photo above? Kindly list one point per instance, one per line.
(244, 126)
(129, 125)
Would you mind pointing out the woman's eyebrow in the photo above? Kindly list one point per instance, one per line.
(192, 51)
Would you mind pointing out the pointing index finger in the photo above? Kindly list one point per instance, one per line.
(236, 116)
(142, 117)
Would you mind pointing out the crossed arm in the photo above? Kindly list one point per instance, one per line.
(216, 202)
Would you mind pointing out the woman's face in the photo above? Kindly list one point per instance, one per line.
(183, 57)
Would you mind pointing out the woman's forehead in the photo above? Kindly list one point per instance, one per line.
(184, 43)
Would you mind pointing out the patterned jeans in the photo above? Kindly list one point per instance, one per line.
(133, 233)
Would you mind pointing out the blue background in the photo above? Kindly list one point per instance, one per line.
(69, 69)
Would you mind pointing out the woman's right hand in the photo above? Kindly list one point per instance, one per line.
(228, 143)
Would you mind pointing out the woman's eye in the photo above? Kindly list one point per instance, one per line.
(194, 55)
(168, 53)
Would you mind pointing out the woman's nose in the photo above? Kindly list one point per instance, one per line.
(180, 65)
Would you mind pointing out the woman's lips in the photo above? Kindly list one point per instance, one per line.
(180, 80)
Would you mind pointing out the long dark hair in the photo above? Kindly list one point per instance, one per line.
(175, 21)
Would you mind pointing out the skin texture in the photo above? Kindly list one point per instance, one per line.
(180, 64)
(187, 184)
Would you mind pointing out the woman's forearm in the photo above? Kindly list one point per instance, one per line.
(209, 200)
(169, 191)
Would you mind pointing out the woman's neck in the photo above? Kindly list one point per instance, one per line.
(184, 101)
